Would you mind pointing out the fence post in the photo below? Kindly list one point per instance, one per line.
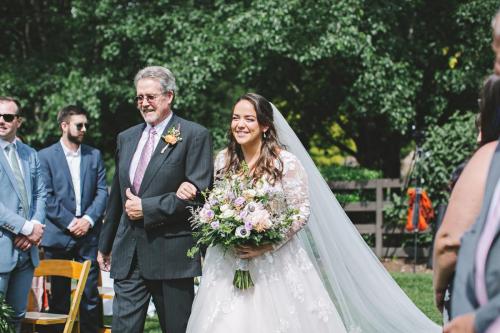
(379, 218)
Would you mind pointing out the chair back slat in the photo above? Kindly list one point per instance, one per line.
(58, 267)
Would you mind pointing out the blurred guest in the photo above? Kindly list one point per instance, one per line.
(466, 199)
(476, 291)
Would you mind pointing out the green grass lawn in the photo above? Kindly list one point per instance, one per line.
(417, 286)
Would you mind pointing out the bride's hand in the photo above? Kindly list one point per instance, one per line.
(249, 251)
(186, 191)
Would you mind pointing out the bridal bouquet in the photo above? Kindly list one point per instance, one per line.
(241, 210)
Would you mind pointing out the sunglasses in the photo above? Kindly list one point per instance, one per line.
(8, 117)
(80, 126)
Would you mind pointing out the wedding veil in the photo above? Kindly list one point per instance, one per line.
(366, 296)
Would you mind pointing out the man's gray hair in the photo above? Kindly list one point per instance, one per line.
(162, 74)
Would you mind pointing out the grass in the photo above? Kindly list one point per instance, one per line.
(417, 286)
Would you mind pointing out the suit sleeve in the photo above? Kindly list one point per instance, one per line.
(39, 193)
(114, 212)
(56, 212)
(487, 314)
(199, 171)
(96, 209)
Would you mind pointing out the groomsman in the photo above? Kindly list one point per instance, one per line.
(22, 210)
(76, 199)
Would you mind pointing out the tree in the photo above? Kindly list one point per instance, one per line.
(373, 68)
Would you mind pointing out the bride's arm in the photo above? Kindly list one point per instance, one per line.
(296, 189)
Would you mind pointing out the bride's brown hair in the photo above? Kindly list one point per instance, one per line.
(269, 162)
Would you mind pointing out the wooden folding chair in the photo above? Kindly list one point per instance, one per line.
(64, 268)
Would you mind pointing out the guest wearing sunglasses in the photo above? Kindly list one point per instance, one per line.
(22, 211)
(75, 178)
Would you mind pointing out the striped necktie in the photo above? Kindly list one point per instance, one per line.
(14, 164)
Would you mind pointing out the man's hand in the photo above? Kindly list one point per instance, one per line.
(461, 324)
(36, 235)
(186, 191)
(104, 261)
(22, 242)
(80, 227)
(133, 206)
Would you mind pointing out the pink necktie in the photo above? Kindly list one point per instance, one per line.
(484, 245)
(146, 153)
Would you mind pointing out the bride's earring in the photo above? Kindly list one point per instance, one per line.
(264, 135)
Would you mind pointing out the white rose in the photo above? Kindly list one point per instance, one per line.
(249, 194)
(227, 213)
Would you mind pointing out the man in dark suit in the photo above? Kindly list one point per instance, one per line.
(146, 233)
(76, 184)
(22, 211)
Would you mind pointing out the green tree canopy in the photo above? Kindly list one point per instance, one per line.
(373, 67)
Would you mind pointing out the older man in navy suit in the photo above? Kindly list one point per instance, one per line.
(22, 210)
(76, 199)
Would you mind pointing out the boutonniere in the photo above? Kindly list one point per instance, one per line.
(172, 137)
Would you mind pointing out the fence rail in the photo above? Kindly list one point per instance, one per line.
(376, 226)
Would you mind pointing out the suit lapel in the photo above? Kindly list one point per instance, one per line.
(10, 174)
(84, 161)
(128, 151)
(161, 153)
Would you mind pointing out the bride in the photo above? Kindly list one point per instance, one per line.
(322, 277)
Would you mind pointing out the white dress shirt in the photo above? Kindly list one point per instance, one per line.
(27, 228)
(144, 138)
(74, 159)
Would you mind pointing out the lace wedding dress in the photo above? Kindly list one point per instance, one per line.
(325, 278)
(288, 295)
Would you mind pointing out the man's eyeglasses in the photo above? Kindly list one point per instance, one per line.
(80, 126)
(8, 117)
(148, 97)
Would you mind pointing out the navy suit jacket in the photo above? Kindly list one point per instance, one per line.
(61, 204)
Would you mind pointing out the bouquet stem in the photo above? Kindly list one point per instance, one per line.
(242, 279)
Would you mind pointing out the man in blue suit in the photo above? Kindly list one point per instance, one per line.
(76, 199)
(22, 210)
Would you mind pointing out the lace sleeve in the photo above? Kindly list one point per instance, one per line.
(220, 161)
(296, 189)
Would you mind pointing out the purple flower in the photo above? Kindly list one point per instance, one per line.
(239, 201)
(215, 225)
(210, 214)
(248, 225)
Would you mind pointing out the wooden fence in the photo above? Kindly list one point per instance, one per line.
(382, 188)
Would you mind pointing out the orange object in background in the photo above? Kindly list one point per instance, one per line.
(425, 211)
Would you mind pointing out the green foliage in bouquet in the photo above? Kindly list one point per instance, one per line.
(6, 313)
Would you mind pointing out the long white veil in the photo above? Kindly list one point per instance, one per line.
(366, 296)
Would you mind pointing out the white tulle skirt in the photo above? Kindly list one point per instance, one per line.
(288, 296)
